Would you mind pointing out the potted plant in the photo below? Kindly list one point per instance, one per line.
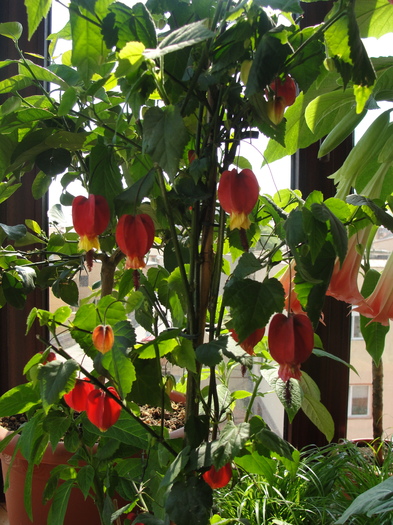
(148, 112)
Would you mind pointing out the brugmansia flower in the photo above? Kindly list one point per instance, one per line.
(379, 305)
(90, 217)
(135, 236)
(344, 282)
(77, 397)
(103, 338)
(249, 342)
(238, 194)
(218, 478)
(101, 409)
(291, 342)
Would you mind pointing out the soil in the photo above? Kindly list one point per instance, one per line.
(150, 415)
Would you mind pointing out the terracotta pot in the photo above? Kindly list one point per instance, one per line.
(79, 510)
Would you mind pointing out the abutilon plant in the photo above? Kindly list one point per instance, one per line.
(77, 397)
(249, 342)
(291, 342)
(101, 409)
(90, 217)
(103, 338)
(135, 236)
(292, 304)
(217, 479)
(238, 193)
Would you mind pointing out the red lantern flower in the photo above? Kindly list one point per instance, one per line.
(103, 338)
(135, 236)
(77, 397)
(238, 194)
(285, 90)
(90, 217)
(49, 358)
(291, 342)
(249, 342)
(102, 410)
(218, 478)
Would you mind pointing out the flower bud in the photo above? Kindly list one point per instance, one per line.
(291, 342)
(77, 397)
(275, 110)
(102, 410)
(217, 479)
(90, 217)
(238, 194)
(103, 338)
(135, 236)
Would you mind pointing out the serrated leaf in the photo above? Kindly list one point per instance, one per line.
(165, 137)
(56, 378)
(19, 399)
(253, 303)
(185, 36)
(289, 393)
(190, 501)
(230, 443)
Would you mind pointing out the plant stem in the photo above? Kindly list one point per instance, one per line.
(257, 382)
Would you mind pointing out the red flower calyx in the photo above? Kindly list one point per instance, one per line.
(135, 236)
(77, 397)
(103, 338)
(238, 194)
(217, 479)
(101, 409)
(291, 342)
(284, 89)
(90, 217)
(249, 342)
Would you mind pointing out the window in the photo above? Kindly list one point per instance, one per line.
(359, 401)
(355, 326)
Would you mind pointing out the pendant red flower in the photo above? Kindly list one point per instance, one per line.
(77, 397)
(101, 409)
(238, 194)
(90, 217)
(291, 342)
(103, 338)
(249, 342)
(284, 89)
(218, 478)
(292, 304)
(135, 236)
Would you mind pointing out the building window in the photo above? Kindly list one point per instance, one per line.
(359, 401)
(355, 326)
(83, 280)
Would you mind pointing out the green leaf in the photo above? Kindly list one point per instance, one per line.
(56, 378)
(210, 354)
(314, 409)
(147, 388)
(253, 303)
(15, 83)
(128, 200)
(190, 501)
(254, 463)
(19, 399)
(14, 232)
(374, 501)
(165, 137)
(374, 17)
(120, 368)
(127, 431)
(88, 48)
(59, 504)
(289, 393)
(185, 36)
(85, 479)
(184, 355)
(105, 178)
(383, 217)
(231, 442)
(11, 30)
(274, 443)
(53, 161)
(268, 61)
